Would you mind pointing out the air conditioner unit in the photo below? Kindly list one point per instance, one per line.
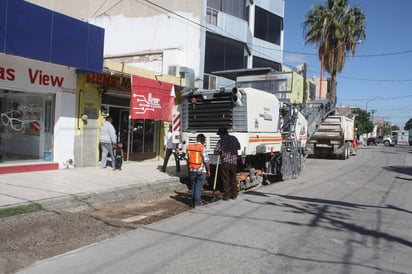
(174, 71)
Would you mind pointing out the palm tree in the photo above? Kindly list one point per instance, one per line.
(335, 28)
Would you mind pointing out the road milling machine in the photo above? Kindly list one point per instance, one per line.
(273, 132)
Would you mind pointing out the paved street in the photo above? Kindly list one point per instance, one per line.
(350, 216)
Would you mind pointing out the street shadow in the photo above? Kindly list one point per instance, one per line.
(328, 214)
(182, 197)
(398, 208)
(391, 151)
(400, 169)
(207, 197)
(185, 181)
(402, 178)
(324, 201)
(267, 251)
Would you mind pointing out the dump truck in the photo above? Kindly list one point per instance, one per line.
(334, 138)
(401, 137)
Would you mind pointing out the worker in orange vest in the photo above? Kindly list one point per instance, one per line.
(199, 167)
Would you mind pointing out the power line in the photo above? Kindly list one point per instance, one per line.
(376, 80)
(98, 9)
(386, 98)
(385, 54)
(355, 56)
(355, 78)
(106, 9)
(176, 14)
(263, 47)
(211, 30)
(391, 109)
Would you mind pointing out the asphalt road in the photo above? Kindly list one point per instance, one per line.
(352, 216)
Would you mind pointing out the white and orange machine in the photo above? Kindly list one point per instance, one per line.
(272, 134)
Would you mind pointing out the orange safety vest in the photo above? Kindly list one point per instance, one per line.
(194, 153)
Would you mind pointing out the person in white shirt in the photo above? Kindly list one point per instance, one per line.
(107, 141)
(170, 148)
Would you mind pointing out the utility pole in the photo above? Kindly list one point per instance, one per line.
(373, 120)
(373, 113)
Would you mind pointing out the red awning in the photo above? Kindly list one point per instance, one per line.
(151, 99)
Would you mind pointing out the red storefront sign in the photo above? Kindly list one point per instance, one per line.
(151, 99)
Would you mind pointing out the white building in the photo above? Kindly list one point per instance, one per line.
(169, 36)
(185, 38)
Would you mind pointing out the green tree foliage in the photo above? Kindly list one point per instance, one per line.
(408, 125)
(385, 129)
(395, 127)
(335, 29)
(363, 121)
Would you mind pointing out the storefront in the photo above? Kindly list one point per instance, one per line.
(151, 104)
(138, 136)
(111, 93)
(40, 51)
(37, 109)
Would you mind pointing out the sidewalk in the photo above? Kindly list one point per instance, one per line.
(54, 187)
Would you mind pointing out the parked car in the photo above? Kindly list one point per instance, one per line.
(371, 141)
(379, 140)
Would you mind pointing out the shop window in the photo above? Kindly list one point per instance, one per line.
(26, 126)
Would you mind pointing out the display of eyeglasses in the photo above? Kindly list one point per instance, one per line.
(26, 125)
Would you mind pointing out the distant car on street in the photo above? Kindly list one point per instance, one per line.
(371, 141)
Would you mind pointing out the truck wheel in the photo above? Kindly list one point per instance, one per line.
(386, 143)
(348, 149)
(345, 152)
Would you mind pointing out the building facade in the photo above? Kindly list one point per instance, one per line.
(38, 84)
(167, 36)
(188, 40)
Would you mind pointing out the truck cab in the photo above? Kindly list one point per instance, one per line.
(388, 140)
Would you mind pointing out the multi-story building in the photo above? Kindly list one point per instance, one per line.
(204, 35)
(188, 39)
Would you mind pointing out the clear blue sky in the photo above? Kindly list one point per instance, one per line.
(376, 76)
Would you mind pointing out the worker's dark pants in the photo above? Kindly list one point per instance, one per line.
(197, 180)
(169, 152)
(229, 181)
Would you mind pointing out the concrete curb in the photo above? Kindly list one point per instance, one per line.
(86, 202)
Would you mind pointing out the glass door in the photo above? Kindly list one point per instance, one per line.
(123, 127)
(139, 136)
(144, 138)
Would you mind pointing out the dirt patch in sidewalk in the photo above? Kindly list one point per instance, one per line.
(28, 238)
